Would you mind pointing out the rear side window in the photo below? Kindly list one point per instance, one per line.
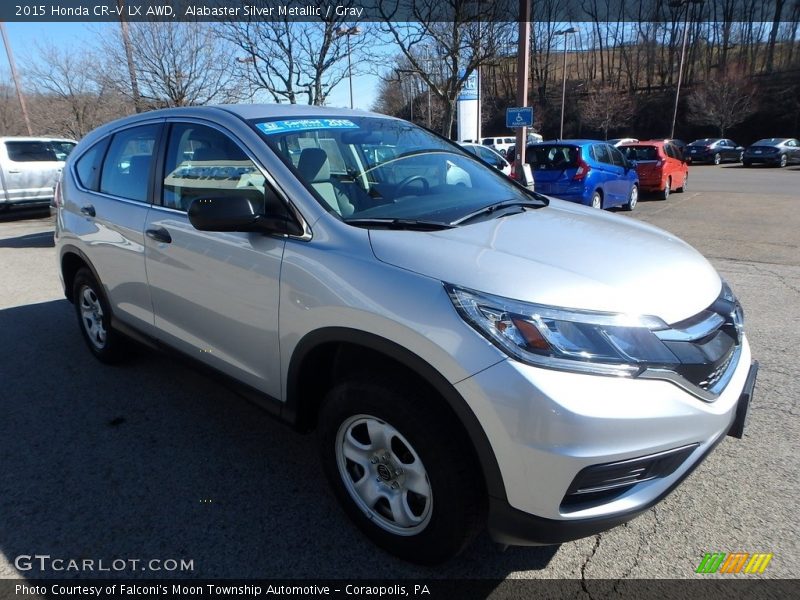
(600, 153)
(31, 151)
(88, 166)
(126, 169)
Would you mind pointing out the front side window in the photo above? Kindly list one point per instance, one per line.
(126, 169)
(616, 157)
(367, 168)
(203, 162)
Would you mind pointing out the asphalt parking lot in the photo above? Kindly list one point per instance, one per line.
(154, 460)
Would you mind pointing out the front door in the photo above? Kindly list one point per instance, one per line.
(215, 295)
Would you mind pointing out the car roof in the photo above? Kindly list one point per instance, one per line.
(774, 140)
(571, 142)
(16, 138)
(646, 143)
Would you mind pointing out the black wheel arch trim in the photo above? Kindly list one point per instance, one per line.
(483, 449)
(70, 249)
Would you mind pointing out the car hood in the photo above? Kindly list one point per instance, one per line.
(563, 255)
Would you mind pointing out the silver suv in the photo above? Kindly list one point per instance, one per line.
(469, 352)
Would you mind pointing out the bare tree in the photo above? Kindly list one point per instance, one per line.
(295, 61)
(606, 108)
(67, 82)
(722, 102)
(461, 36)
(176, 64)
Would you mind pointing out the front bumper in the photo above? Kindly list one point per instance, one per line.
(548, 426)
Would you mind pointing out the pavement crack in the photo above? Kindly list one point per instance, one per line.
(585, 564)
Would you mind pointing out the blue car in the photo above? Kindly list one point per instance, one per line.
(588, 172)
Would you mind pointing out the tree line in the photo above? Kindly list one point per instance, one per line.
(621, 69)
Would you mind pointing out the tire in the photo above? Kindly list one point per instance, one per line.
(783, 161)
(664, 194)
(682, 189)
(717, 158)
(633, 198)
(94, 318)
(374, 434)
(741, 157)
(597, 200)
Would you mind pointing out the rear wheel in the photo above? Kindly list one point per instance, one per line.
(633, 198)
(597, 200)
(783, 161)
(400, 469)
(94, 318)
(664, 194)
(741, 156)
(682, 189)
(717, 158)
(747, 163)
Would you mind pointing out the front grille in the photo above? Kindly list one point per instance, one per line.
(705, 345)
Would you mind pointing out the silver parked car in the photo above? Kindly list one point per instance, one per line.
(30, 168)
(470, 353)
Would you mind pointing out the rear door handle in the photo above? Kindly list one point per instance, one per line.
(14, 171)
(159, 234)
(88, 210)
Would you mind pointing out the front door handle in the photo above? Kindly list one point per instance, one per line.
(88, 210)
(159, 234)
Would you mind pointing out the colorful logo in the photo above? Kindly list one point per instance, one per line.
(735, 562)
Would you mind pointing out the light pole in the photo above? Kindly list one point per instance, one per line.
(565, 33)
(348, 31)
(678, 4)
(15, 77)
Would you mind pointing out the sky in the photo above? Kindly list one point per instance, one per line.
(71, 37)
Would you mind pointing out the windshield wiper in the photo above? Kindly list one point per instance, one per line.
(499, 206)
(415, 224)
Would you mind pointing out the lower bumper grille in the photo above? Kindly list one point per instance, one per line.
(601, 483)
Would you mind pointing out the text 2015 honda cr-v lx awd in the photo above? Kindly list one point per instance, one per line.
(469, 353)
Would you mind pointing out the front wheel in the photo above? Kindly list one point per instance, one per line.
(747, 163)
(400, 468)
(633, 198)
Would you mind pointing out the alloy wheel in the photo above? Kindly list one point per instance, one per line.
(92, 317)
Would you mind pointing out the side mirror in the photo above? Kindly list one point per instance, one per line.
(239, 213)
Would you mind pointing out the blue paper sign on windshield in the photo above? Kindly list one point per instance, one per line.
(272, 127)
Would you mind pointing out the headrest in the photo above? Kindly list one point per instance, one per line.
(313, 165)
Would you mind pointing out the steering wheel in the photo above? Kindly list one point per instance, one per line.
(410, 180)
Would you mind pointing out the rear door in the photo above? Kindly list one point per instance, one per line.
(30, 169)
(215, 294)
(108, 210)
(622, 181)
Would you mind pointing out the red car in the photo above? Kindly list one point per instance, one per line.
(660, 166)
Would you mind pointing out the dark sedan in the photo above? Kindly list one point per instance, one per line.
(713, 150)
(777, 152)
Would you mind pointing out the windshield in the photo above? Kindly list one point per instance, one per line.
(365, 168)
(703, 142)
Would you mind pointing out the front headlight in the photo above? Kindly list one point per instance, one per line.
(573, 340)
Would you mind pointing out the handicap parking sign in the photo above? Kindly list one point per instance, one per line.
(519, 117)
